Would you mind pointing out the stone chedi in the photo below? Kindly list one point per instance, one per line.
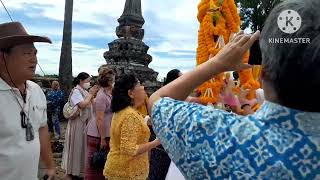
(128, 53)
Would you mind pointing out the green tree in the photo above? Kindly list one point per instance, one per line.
(65, 66)
(254, 12)
(52, 76)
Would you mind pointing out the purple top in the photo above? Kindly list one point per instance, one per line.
(103, 103)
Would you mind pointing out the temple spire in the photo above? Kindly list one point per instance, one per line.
(132, 14)
(129, 54)
(131, 21)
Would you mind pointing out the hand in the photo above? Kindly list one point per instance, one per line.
(103, 143)
(147, 120)
(93, 91)
(243, 92)
(231, 56)
(243, 96)
(156, 142)
(51, 173)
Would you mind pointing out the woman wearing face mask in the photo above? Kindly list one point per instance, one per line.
(73, 159)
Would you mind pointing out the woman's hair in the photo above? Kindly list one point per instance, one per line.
(81, 76)
(102, 67)
(291, 69)
(55, 85)
(235, 75)
(120, 97)
(106, 77)
(171, 76)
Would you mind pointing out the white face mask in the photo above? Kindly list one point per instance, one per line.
(86, 85)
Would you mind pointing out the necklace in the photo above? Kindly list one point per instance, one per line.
(25, 121)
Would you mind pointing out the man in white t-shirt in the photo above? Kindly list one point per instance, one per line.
(23, 129)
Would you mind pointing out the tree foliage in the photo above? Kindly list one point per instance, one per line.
(254, 12)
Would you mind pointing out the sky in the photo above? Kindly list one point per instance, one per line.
(170, 31)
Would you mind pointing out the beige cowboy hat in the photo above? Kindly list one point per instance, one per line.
(13, 33)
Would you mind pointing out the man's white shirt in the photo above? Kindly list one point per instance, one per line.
(19, 158)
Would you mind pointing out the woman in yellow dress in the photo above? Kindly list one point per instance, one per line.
(129, 136)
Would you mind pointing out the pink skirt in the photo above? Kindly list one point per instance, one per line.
(92, 145)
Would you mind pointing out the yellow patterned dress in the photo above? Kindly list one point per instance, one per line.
(128, 131)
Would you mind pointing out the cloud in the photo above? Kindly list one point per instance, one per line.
(85, 58)
(83, 10)
(170, 31)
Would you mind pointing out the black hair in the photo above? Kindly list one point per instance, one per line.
(235, 75)
(6, 50)
(292, 69)
(171, 76)
(81, 76)
(120, 97)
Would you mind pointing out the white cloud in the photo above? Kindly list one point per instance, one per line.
(164, 65)
(83, 10)
(85, 58)
(180, 11)
(171, 25)
(173, 46)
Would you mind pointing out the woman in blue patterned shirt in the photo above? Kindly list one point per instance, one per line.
(282, 139)
(55, 97)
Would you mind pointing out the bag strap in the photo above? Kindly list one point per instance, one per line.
(80, 92)
(70, 95)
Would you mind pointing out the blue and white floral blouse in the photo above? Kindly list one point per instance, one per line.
(205, 143)
(55, 97)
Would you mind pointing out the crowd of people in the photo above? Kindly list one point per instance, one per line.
(119, 133)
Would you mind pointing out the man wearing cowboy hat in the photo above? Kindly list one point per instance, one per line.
(23, 129)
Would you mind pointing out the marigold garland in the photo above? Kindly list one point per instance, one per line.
(247, 80)
(216, 21)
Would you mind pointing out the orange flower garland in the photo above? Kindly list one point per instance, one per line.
(247, 80)
(234, 12)
(231, 22)
(215, 22)
(202, 9)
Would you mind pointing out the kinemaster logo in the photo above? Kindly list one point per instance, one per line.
(289, 21)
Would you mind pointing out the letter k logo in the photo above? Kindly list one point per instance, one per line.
(289, 21)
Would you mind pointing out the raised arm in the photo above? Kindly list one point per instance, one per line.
(228, 59)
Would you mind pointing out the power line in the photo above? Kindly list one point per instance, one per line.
(6, 10)
(44, 74)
